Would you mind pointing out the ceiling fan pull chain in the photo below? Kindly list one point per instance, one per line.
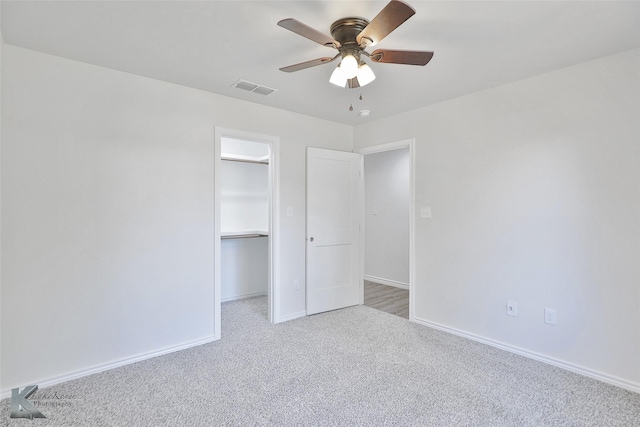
(350, 107)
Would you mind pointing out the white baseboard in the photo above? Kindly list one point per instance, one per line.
(47, 382)
(243, 296)
(291, 317)
(609, 379)
(387, 282)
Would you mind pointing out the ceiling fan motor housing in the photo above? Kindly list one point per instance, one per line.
(346, 30)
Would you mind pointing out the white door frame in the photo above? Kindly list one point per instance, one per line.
(273, 290)
(410, 143)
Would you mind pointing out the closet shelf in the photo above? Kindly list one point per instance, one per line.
(242, 234)
(245, 159)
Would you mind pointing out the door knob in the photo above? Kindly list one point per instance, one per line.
(311, 239)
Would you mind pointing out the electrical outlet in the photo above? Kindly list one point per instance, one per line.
(550, 316)
(512, 308)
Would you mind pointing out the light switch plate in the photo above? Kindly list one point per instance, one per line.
(425, 212)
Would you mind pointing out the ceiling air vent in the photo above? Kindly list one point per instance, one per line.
(253, 87)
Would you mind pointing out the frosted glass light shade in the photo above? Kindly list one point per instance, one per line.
(365, 75)
(338, 78)
(349, 66)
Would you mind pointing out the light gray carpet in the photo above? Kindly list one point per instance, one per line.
(356, 366)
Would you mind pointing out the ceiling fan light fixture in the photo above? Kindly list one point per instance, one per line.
(349, 66)
(338, 78)
(351, 36)
(365, 75)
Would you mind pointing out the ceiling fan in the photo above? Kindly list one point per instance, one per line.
(351, 36)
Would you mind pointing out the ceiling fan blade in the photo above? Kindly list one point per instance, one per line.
(308, 32)
(389, 18)
(409, 57)
(308, 64)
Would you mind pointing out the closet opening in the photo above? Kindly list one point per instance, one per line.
(244, 241)
(244, 226)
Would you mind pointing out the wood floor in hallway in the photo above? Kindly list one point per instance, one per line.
(386, 298)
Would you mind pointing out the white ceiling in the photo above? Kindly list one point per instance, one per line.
(209, 45)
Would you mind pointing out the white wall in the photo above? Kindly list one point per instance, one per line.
(387, 192)
(246, 149)
(244, 194)
(244, 267)
(107, 212)
(535, 193)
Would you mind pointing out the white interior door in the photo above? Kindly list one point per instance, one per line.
(333, 230)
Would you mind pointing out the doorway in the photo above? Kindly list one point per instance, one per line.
(388, 219)
(246, 226)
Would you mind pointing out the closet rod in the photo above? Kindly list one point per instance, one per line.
(243, 236)
(260, 162)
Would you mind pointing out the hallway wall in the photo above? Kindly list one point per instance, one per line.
(387, 193)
